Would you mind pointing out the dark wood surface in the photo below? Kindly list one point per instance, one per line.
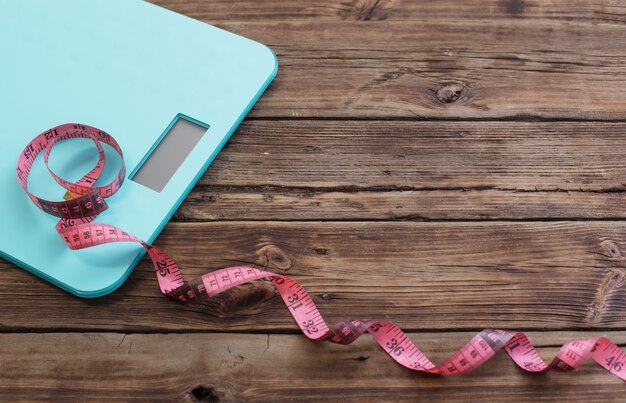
(448, 165)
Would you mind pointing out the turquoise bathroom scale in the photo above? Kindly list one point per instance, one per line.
(170, 89)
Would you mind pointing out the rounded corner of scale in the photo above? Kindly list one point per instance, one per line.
(90, 293)
(270, 58)
(274, 60)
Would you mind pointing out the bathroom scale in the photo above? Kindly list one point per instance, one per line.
(170, 89)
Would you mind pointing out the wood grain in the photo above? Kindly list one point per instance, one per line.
(446, 165)
(216, 203)
(579, 11)
(236, 367)
(522, 156)
(423, 276)
(347, 170)
(380, 59)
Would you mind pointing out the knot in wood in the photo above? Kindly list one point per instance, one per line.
(272, 257)
(204, 394)
(321, 251)
(449, 93)
(611, 249)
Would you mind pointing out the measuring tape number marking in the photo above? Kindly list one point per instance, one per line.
(84, 201)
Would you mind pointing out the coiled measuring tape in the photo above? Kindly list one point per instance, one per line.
(84, 201)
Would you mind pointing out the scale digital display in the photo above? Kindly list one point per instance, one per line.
(172, 149)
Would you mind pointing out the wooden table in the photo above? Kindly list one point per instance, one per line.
(448, 165)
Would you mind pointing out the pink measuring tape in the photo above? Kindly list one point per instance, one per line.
(84, 201)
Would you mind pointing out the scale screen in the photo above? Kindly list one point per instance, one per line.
(172, 149)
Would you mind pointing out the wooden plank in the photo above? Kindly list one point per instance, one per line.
(549, 62)
(286, 204)
(579, 11)
(349, 170)
(423, 276)
(236, 367)
(522, 156)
